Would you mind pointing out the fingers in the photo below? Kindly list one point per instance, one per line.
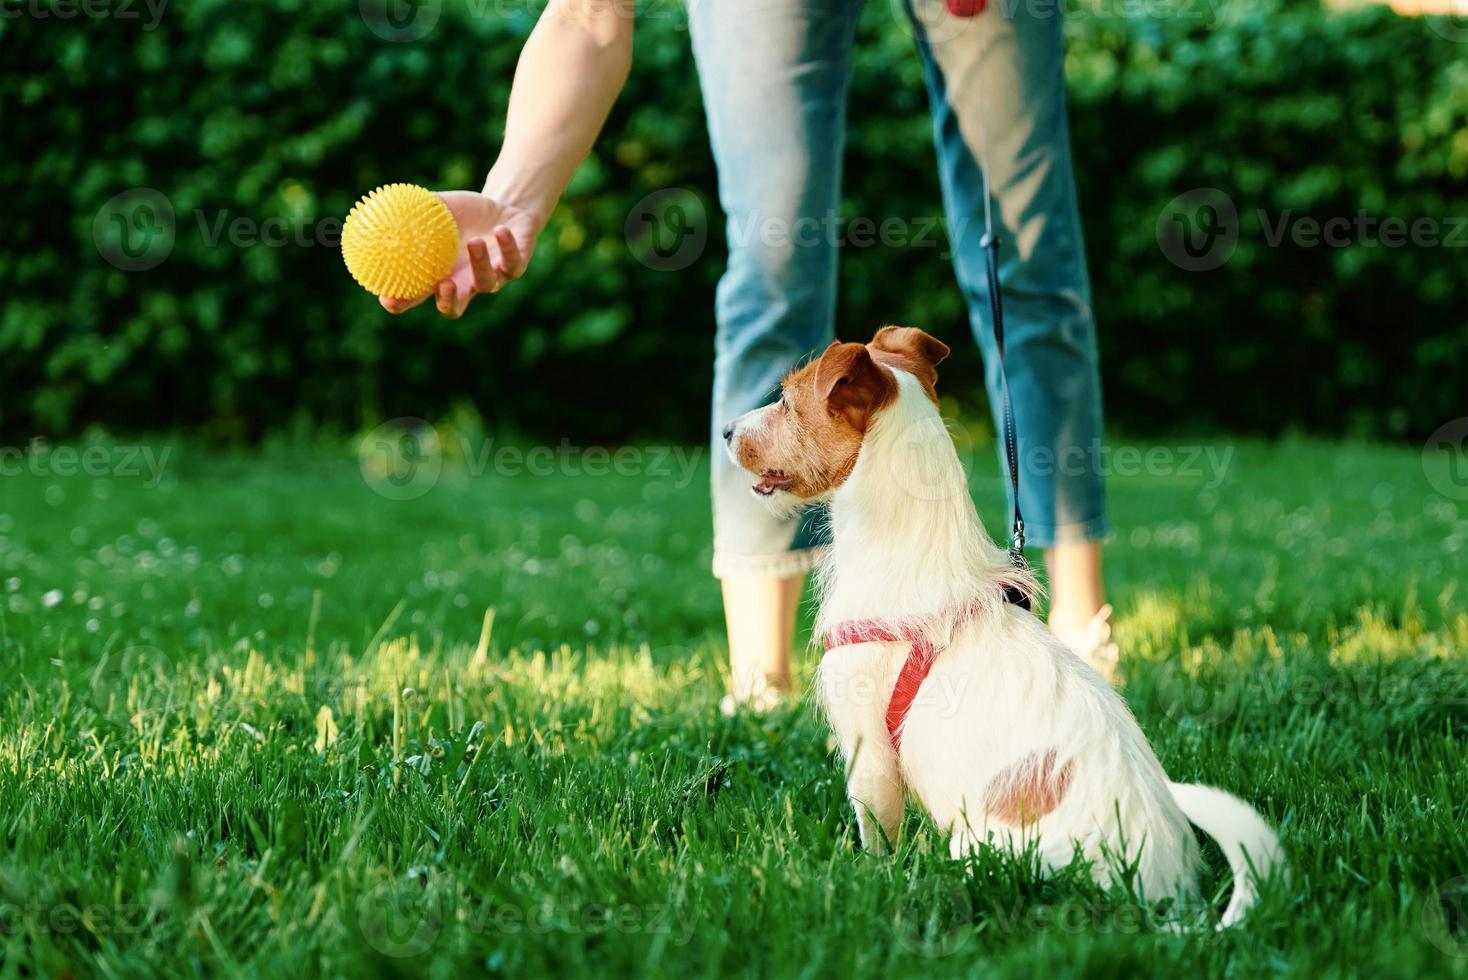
(511, 263)
(446, 297)
(396, 306)
(487, 271)
(486, 279)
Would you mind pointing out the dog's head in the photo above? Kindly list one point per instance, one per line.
(805, 445)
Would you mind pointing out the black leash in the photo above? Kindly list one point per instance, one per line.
(990, 243)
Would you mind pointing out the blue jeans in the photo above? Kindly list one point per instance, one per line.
(775, 76)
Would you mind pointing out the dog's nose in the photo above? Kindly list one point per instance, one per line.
(729, 432)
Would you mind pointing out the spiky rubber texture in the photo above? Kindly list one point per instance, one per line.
(399, 240)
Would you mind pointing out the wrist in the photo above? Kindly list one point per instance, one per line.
(523, 191)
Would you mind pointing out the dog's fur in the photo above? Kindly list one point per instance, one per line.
(1013, 740)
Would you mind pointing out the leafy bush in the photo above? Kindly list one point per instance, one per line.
(282, 112)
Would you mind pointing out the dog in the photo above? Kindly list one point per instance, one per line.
(937, 681)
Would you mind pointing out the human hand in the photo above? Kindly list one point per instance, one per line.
(495, 243)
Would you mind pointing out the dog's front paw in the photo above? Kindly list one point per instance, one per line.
(874, 837)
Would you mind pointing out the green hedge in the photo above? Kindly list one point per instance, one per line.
(281, 112)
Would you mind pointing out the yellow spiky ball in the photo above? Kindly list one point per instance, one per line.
(399, 240)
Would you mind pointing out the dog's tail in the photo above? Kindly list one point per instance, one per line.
(1250, 844)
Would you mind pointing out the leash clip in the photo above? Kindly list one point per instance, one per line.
(1013, 595)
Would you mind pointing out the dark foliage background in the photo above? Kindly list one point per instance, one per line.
(290, 109)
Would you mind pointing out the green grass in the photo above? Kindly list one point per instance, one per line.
(247, 725)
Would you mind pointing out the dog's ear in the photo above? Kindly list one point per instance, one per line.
(851, 384)
(918, 352)
(911, 342)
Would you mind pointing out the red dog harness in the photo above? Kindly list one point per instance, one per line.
(920, 655)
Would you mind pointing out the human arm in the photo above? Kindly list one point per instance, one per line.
(570, 72)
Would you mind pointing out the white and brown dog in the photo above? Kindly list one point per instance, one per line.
(934, 682)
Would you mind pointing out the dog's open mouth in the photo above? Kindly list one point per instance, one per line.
(772, 480)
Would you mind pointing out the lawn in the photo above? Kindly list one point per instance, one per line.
(259, 717)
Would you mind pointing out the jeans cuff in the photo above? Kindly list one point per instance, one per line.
(1075, 532)
(781, 565)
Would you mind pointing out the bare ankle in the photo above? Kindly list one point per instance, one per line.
(760, 616)
(1076, 590)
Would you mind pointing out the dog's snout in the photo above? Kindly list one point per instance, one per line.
(728, 431)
